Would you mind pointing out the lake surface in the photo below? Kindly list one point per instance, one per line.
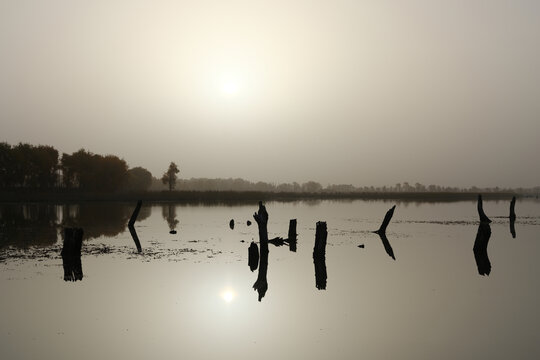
(189, 295)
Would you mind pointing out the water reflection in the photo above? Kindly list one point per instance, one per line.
(387, 245)
(480, 248)
(28, 225)
(169, 214)
(319, 255)
(100, 219)
(261, 217)
(253, 256)
(71, 254)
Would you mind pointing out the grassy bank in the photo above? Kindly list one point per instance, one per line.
(210, 197)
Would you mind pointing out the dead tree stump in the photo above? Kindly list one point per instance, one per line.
(481, 213)
(319, 255)
(71, 254)
(386, 221)
(480, 249)
(292, 235)
(131, 226)
(512, 208)
(261, 217)
(253, 256)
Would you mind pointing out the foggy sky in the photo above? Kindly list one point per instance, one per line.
(363, 93)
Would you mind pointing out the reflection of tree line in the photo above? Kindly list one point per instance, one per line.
(38, 224)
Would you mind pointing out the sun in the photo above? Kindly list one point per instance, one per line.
(228, 295)
(230, 87)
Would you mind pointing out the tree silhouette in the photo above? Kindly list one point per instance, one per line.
(169, 177)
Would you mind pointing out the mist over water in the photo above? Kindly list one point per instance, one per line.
(420, 286)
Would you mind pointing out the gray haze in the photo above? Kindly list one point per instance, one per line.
(367, 93)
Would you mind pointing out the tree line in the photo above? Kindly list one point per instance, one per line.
(41, 167)
(25, 166)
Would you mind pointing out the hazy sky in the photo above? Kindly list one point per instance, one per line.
(359, 92)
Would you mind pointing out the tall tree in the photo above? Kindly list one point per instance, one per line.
(169, 177)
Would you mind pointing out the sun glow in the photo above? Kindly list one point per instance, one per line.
(230, 87)
(228, 295)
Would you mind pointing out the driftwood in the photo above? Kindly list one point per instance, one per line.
(480, 248)
(261, 217)
(386, 221)
(513, 217)
(481, 213)
(387, 245)
(131, 226)
(71, 254)
(253, 256)
(319, 255)
(291, 239)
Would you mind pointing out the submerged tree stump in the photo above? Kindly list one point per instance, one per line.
(480, 248)
(481, 213)
(513, 208)
(71, 254)
(131, 226)
(261, 217)
(253, 256)
(292, 236)
(386, 221)
(319, 255)
(513, 217)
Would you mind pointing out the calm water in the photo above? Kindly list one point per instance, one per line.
(189, 295)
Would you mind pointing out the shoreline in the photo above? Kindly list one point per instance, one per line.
(247, 197)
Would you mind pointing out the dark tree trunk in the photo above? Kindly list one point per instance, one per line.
(71, 254)
(131, 226)
(386, 221)
(483, 216)
(512, 208)
(319, 255)
(261, 217)
(292, 235)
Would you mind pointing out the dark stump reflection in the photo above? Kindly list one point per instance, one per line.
(253, 256)
(71, 254)
(387, 245)
(319, 255)
(480, 248)
(261, 217)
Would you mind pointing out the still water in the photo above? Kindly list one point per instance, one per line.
(417, 294)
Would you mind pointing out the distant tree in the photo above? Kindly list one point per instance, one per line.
(311, 187)
(169, 177)
(138, 179)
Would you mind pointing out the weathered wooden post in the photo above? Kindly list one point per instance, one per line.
(480, 248)
(71, 254)
(292, 235)
(319, 255)
(386, 221)
(483, 216)
(253, 256)
(261, 217)
(131, 226)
